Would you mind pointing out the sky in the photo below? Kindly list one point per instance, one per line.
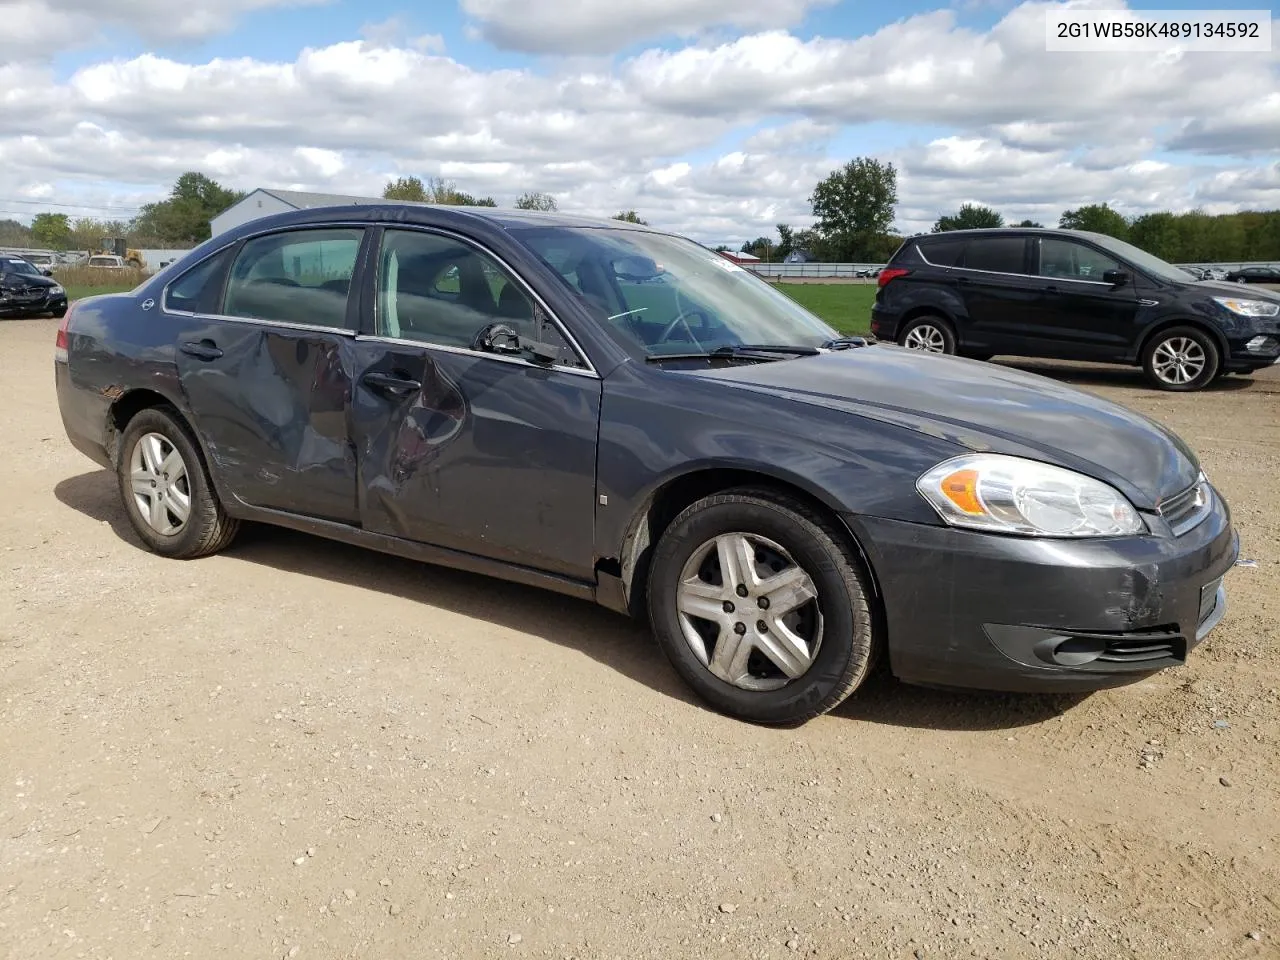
(712, 118)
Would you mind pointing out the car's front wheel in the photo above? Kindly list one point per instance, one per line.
(761, 607)
(1181, 359)
(929, 334)
(166, 488)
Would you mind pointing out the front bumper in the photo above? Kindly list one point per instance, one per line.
(33, 308)
(965, 609)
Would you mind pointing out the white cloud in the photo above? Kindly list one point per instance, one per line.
(765, 116)
(604, 26)
(38, 29)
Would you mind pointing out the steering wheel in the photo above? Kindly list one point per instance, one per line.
(670, 328)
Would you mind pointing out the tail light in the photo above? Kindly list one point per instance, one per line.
(63, 339)
(890, 273)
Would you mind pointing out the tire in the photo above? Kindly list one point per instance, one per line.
(59, 314)
(207, 527)
(1201, 359)
(929, 329)
(837, 624)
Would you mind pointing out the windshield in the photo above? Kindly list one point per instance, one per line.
(1145, 261)
(660, 294)
(22, 267)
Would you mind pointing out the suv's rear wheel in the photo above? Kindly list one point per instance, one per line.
(1181, 358)
(760, 607)
(929, 334)
(166, 489)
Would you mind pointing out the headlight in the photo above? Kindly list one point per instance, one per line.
(1249, 308)
(55, 290)
(1002, 494)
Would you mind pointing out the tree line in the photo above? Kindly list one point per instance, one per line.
(855, 205)
(854, 209)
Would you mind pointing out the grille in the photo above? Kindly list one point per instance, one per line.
(1118, 651)
(1184, 511)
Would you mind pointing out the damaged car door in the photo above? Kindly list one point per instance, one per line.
(264, 357)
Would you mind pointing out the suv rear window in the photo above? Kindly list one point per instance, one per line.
(943, 253)
(997, 255)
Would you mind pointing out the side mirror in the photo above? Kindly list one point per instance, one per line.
(497, 338)
(1117, 278)
(47, 273)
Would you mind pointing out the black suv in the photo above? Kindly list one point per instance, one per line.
(26, 291)
(1072, 295)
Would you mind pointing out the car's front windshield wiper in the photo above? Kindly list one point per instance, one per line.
(743, 351)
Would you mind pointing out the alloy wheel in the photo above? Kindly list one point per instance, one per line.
(749, 612)
(925, 337)
(160, 484)
(1179, 361)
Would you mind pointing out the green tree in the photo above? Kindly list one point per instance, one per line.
(786, 241)
(409, 189)
(630, 216)
(1157, 233)
(537, 201)
(51, 230)
(854, 205)
(1096, 218)
(14, 234)
(184, 217)
(1028, 223)
(969, 217)
(433, 190)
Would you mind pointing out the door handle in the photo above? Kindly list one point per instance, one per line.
(202, 350)
(391, 383)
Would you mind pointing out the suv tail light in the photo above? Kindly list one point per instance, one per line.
(62, 341)
(890, 273)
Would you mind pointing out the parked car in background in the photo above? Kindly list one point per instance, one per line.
(26, 291)
(1254, 275)
(1071, 295)
(44, 262)
(504, 392)
(106, 262)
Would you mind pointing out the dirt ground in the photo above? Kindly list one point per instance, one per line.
(299, 749)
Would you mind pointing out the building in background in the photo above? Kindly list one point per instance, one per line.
(264, 203)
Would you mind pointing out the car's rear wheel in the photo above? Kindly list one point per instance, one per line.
(166, 488)
(1181, 359)
(928, 334)
(761, 607)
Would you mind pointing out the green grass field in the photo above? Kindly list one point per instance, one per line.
(846, 306)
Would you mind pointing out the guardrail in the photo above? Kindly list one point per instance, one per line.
(853, 270)
(800, 270)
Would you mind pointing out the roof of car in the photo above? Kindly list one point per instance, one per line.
(979, 231)
(505, 217)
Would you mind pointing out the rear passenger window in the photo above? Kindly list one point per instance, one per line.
(302, 276)
(997, 255)
(196, 291)
(943, 253)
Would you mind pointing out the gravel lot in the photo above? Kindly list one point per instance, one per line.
(299, 749)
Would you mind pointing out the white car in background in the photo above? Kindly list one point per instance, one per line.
(105, 262)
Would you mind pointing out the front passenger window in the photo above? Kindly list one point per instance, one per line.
(437, 290)
(300, 276)
(1073, 261)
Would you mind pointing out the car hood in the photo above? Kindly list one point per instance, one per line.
(987, 408)
(1242, 291)
(22, 280)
